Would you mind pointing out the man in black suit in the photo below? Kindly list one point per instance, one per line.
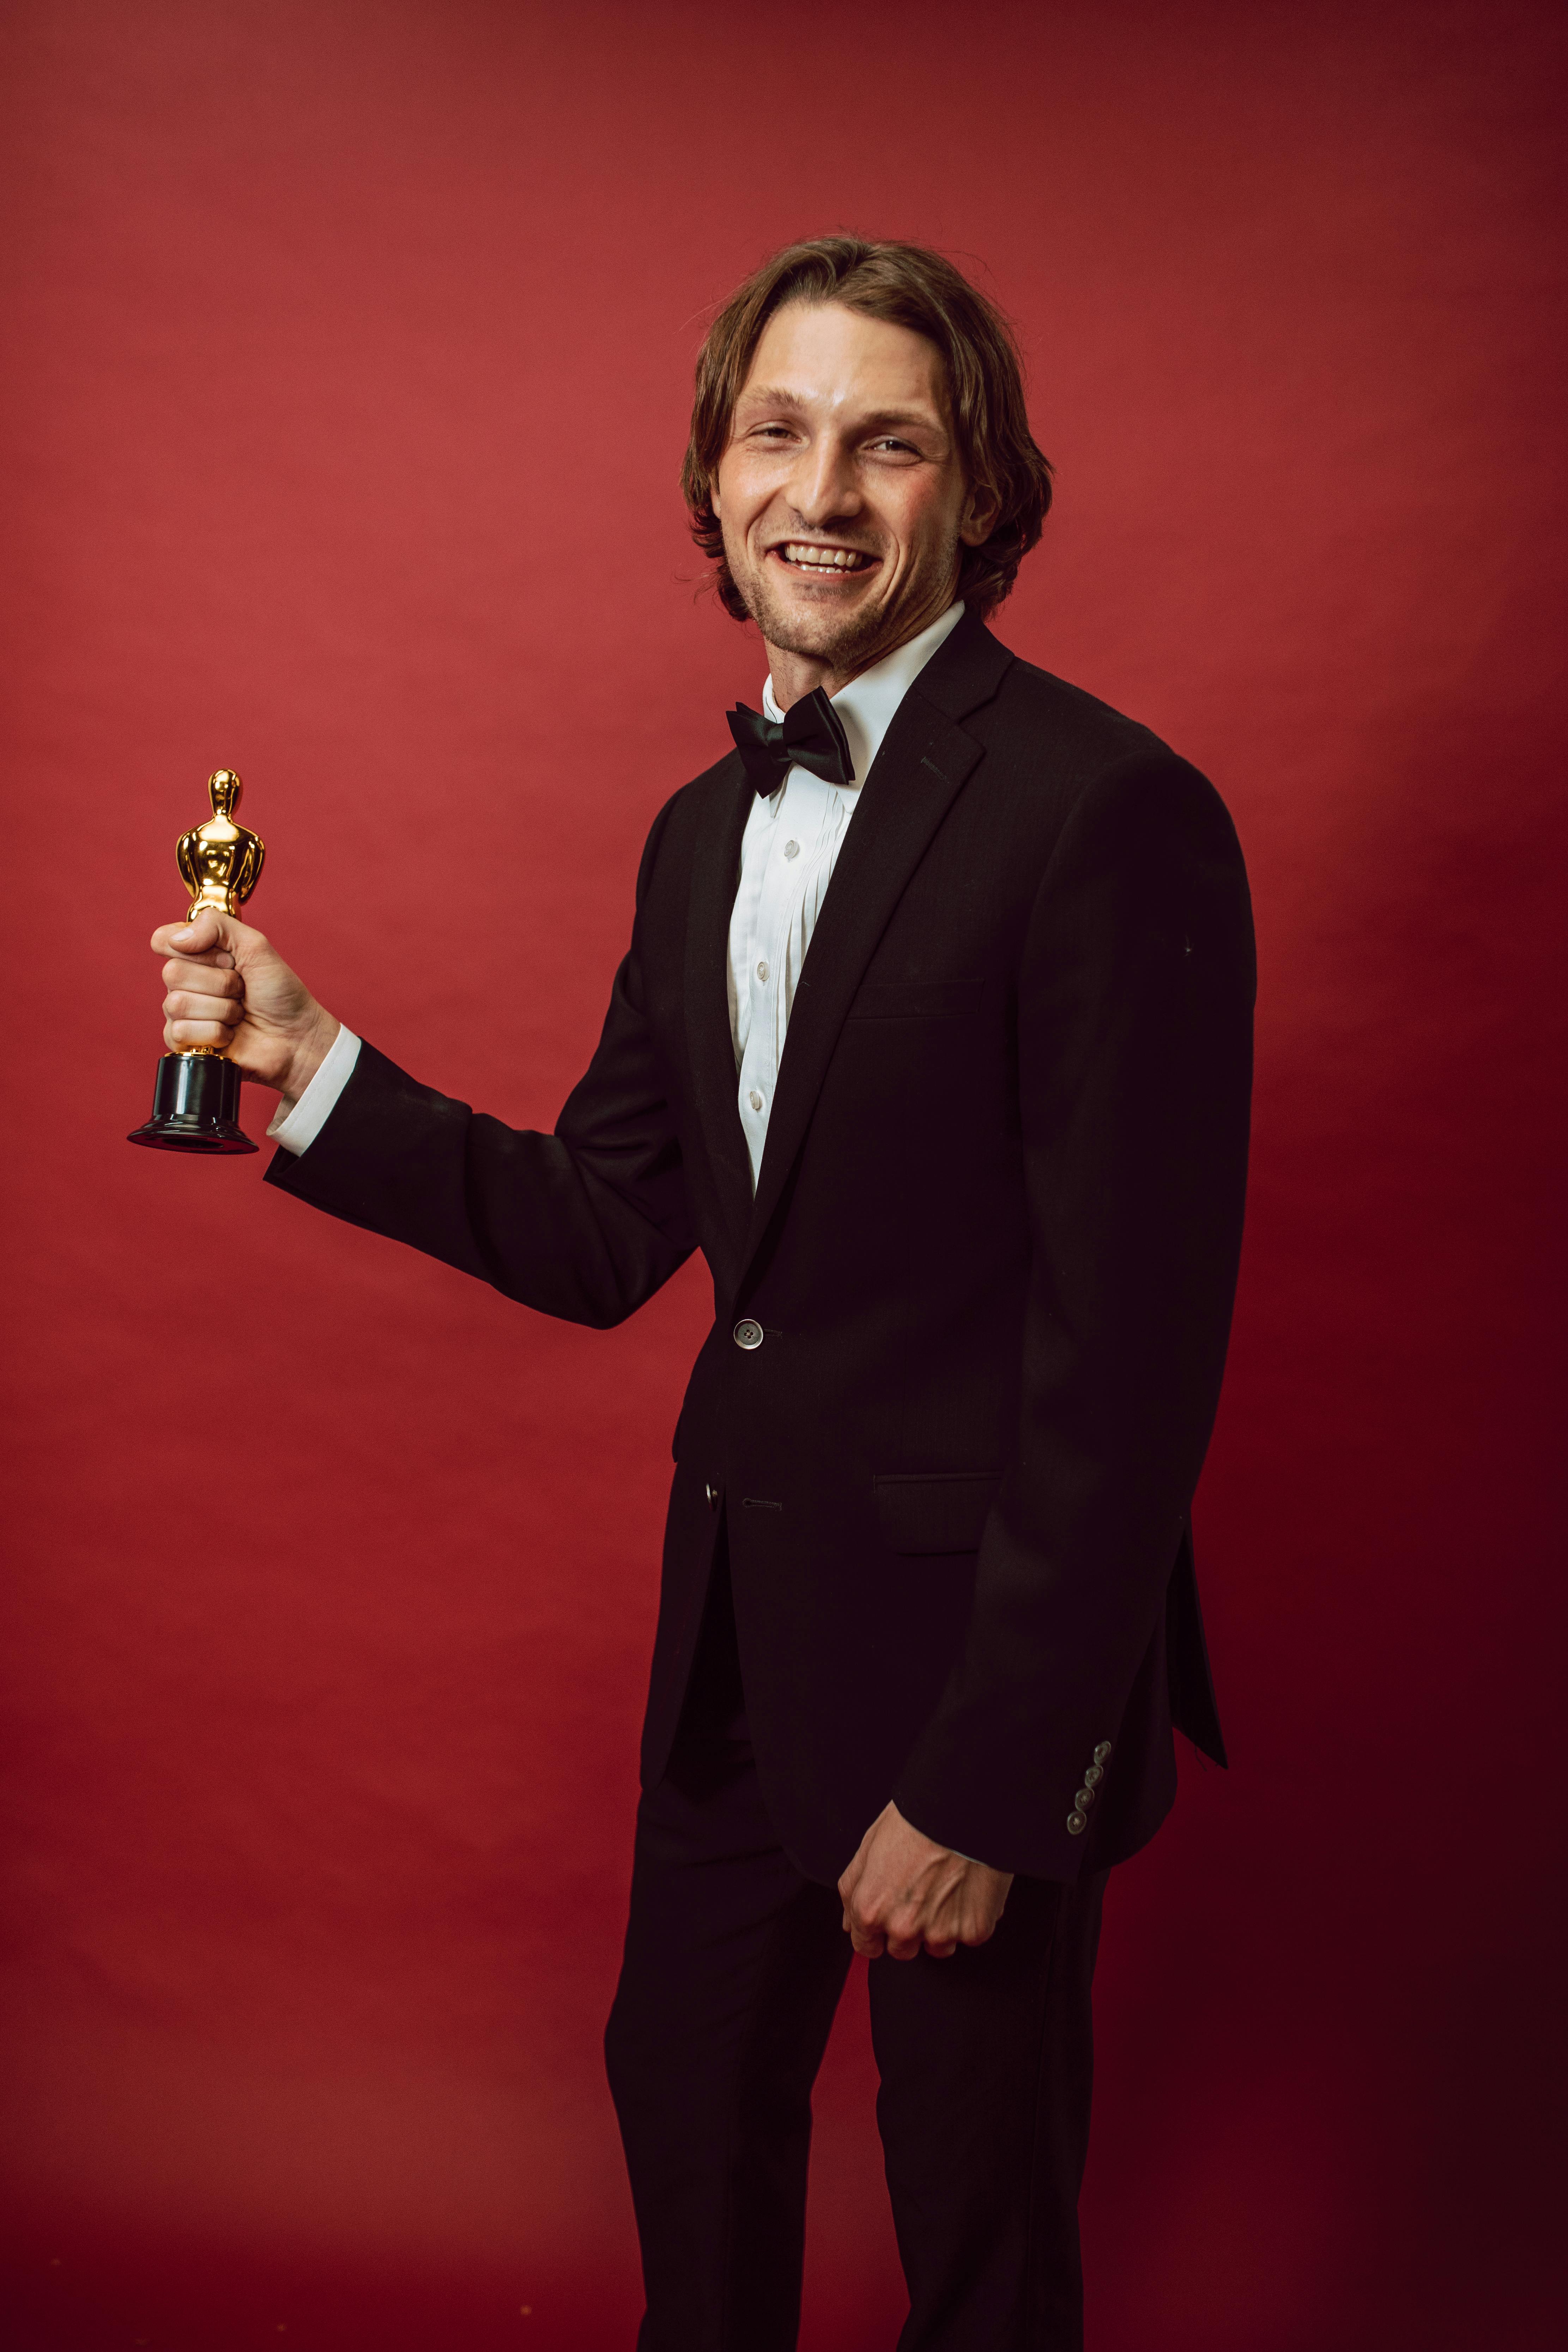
(928, 1612)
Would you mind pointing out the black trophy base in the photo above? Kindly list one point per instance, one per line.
(195, 1106)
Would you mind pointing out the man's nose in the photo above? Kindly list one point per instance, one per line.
(822, 486)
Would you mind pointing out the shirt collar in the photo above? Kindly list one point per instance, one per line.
(869, 703)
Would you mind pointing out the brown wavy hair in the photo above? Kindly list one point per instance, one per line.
(911, 287)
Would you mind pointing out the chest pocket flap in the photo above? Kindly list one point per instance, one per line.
(935, 1511)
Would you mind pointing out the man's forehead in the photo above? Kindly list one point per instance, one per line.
(824, 355)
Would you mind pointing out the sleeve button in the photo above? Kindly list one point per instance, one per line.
(1094, 1776)
(1102, 1753)
(1076, 1824)
(1084, 1799)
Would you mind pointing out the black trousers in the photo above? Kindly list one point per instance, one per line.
(733, 1966)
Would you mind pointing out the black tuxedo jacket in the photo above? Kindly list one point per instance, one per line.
(992, 1256)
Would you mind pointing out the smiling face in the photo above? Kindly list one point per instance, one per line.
(841, 494)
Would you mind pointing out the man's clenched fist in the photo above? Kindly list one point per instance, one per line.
(903, 1893)
(228, 986)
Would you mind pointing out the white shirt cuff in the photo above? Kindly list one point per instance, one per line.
(296, 1125)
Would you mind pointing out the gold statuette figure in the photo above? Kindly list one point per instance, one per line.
(219, 862)
(195, 1099)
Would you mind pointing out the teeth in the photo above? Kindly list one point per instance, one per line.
(823, 559)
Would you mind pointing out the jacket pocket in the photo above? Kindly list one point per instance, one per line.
(935, 1511)
(918, 1000)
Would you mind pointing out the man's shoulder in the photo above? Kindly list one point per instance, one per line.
(1055, 754)
(688, 816)
(1032, 724)
(1034, 708)
(716, 787)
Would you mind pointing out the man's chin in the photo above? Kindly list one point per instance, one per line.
(809, 630)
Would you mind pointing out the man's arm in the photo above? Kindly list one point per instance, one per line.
(1134, 1055)
(585, 1223)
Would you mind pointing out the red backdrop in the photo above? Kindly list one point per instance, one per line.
(355, 343)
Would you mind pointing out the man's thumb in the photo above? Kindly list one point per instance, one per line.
(209, 929)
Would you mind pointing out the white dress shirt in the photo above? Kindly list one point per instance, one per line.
(788, 852)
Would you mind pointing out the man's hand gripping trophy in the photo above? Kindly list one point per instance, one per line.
(233, 1008)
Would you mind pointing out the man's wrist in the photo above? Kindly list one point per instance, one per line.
(298, 1122)
(308, 1056)
(937, 1842)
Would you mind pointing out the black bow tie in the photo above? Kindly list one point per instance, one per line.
(810, 735)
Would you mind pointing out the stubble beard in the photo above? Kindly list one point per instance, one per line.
(847, 643)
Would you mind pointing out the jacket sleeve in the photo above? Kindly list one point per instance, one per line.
(585, 1223)
(1135, 1002)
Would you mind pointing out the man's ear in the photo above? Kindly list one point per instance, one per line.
(713, 496)
(981, 508)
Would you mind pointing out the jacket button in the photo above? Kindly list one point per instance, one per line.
(1084, 1799)
(1094, 1776)
(712, 1494)
(748, 1334)
(1076, 1824)
(1102, 1753)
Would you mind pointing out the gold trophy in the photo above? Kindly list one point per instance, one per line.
(196, 1097)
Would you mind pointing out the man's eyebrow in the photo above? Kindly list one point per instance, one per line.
(774, 395)
(904, 416)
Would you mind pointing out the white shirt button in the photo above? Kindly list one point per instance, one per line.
(755, 1099)
(761, 971)
(792, 849)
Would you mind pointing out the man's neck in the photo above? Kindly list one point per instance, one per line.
(795, 676)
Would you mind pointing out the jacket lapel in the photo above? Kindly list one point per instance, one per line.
(922, 764)
(715, 873)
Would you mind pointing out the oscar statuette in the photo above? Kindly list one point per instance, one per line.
(196, 1097)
